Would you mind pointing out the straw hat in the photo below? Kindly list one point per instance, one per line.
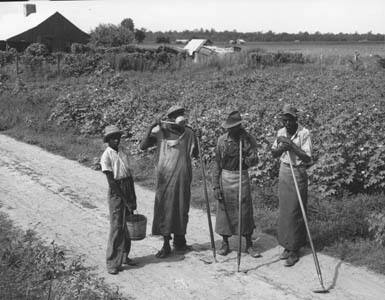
(234, 119)
(109, 130)
(174, 109)
(289, 110)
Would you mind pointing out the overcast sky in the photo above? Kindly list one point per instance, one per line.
(242, 15)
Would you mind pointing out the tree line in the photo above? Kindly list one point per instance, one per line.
(126, 33)
(269, 36)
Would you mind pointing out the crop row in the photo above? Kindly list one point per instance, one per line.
(344, 111)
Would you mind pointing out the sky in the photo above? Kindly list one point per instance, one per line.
(290, 16)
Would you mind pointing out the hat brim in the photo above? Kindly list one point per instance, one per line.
(179, 110)
(227, 125)
(105, 138)
(289, 113)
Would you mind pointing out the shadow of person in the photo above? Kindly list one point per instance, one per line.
(335, 276)
(204, 252)
(141, 261)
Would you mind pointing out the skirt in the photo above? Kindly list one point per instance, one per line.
(227, 209)
(291, 226)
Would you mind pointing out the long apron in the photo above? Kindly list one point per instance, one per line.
(227, 209)
(174, 175)
(291, 226)
(119, 243)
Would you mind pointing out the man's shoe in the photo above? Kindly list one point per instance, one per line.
(252, 252)
(182, 249)
(128, 262)
(292, 259)
(224, 250)
(113, 271)
(285, 254)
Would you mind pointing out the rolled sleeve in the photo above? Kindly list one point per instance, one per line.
(105, 163)
(306, 144)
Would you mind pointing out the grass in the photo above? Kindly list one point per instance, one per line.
(30, 269)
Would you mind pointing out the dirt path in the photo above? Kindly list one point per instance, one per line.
(66, 202)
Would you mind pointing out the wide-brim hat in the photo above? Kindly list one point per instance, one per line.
(234, 119)
(174, 109)
(289, 110)
(110, 130)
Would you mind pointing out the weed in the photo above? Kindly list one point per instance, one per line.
(30, 269)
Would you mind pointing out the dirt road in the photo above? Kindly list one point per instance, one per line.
(66, 202)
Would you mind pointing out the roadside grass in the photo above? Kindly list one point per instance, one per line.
(360, 252)
(31, 269)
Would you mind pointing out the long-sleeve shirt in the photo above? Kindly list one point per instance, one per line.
(227, 155)
(172, 133)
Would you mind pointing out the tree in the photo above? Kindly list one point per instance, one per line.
(162, 39)
(140, 35)
(128, 23)
(109, 35)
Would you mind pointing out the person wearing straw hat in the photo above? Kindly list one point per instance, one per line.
(294, 140)
(121, 198)
(226, 183)
(176, 145)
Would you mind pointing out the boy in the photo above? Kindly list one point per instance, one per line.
(121, 198)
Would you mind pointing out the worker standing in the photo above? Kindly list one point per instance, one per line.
(121, 198)
(226, 183)
(293, 140)
(176, 145)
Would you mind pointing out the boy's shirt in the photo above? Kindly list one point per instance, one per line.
(116, 162)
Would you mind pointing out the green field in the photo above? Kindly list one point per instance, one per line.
(325, 48)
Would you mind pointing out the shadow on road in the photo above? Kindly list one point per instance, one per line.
(139, 262)
(335, 277)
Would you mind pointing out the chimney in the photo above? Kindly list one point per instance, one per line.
(29, 9)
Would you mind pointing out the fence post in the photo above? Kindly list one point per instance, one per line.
(17, 64)
(58, 63)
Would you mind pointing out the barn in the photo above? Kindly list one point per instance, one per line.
(53, 30)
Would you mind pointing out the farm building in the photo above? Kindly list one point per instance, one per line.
(195, 45)
(51, 29)
(237, 41)
(200, 49)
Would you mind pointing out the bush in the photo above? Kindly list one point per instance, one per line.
(131, 61)
(29, 269)
(37, 49)
(162, 39)
(79, 64)
(376, 222)
(350, 218)
(270, 59)
(7, 57)
(77, 48)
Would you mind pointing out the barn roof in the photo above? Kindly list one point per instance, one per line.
(18, 24)
(194, 45)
